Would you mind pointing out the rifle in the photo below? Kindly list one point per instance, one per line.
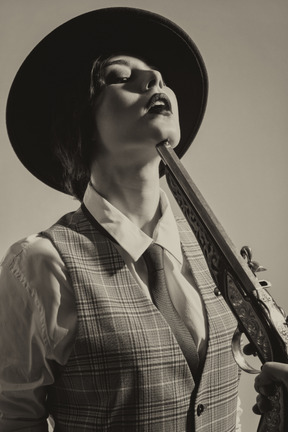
(259, 317)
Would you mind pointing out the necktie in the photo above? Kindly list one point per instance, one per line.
(158, 289)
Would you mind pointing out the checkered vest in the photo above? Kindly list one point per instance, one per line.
(127, 371)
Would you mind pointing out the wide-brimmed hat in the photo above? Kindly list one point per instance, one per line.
(62, 61)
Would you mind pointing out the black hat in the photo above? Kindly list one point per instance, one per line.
(64, 58)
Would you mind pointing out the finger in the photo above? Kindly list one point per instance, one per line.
(258, 383)
(274, 372)
(249, 350)
(265, 378)
(263, 404)
(266, 388)
(256, 410)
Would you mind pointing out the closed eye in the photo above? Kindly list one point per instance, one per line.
(115, 78)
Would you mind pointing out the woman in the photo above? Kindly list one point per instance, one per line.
(93, 346)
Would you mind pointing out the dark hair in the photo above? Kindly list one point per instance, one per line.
(72, 131)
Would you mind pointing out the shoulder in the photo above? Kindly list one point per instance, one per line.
(33, 271)
(33, 267)
(71, 225)
(35, 292)
(32, 249)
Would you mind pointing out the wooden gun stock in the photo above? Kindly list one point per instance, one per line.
(258, 316)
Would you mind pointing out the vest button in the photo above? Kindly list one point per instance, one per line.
(217, 292)
(200, 409)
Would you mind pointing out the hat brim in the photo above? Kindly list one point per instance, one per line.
(63, 59)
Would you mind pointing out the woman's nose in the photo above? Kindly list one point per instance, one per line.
(154, 79)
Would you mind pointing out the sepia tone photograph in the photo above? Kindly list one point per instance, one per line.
(144, 208)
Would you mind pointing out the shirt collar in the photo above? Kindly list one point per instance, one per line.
(131, 238)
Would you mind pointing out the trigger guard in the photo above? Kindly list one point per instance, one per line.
(239, 355)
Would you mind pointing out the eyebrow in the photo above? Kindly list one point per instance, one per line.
(124, 63)
(120, 62)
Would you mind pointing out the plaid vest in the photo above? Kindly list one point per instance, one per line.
(126, 371)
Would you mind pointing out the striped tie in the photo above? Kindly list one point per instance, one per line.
(158, 289)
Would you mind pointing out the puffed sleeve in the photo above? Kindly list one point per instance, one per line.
(35, 297)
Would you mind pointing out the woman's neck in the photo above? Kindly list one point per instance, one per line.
(134, 191)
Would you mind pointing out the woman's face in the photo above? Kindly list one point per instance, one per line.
(135, 110)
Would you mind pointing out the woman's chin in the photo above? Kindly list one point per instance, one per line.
(172, 136)
(172, 139)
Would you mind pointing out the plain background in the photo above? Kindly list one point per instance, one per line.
(239, 157)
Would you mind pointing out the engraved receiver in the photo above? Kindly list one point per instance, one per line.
(258, 316)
